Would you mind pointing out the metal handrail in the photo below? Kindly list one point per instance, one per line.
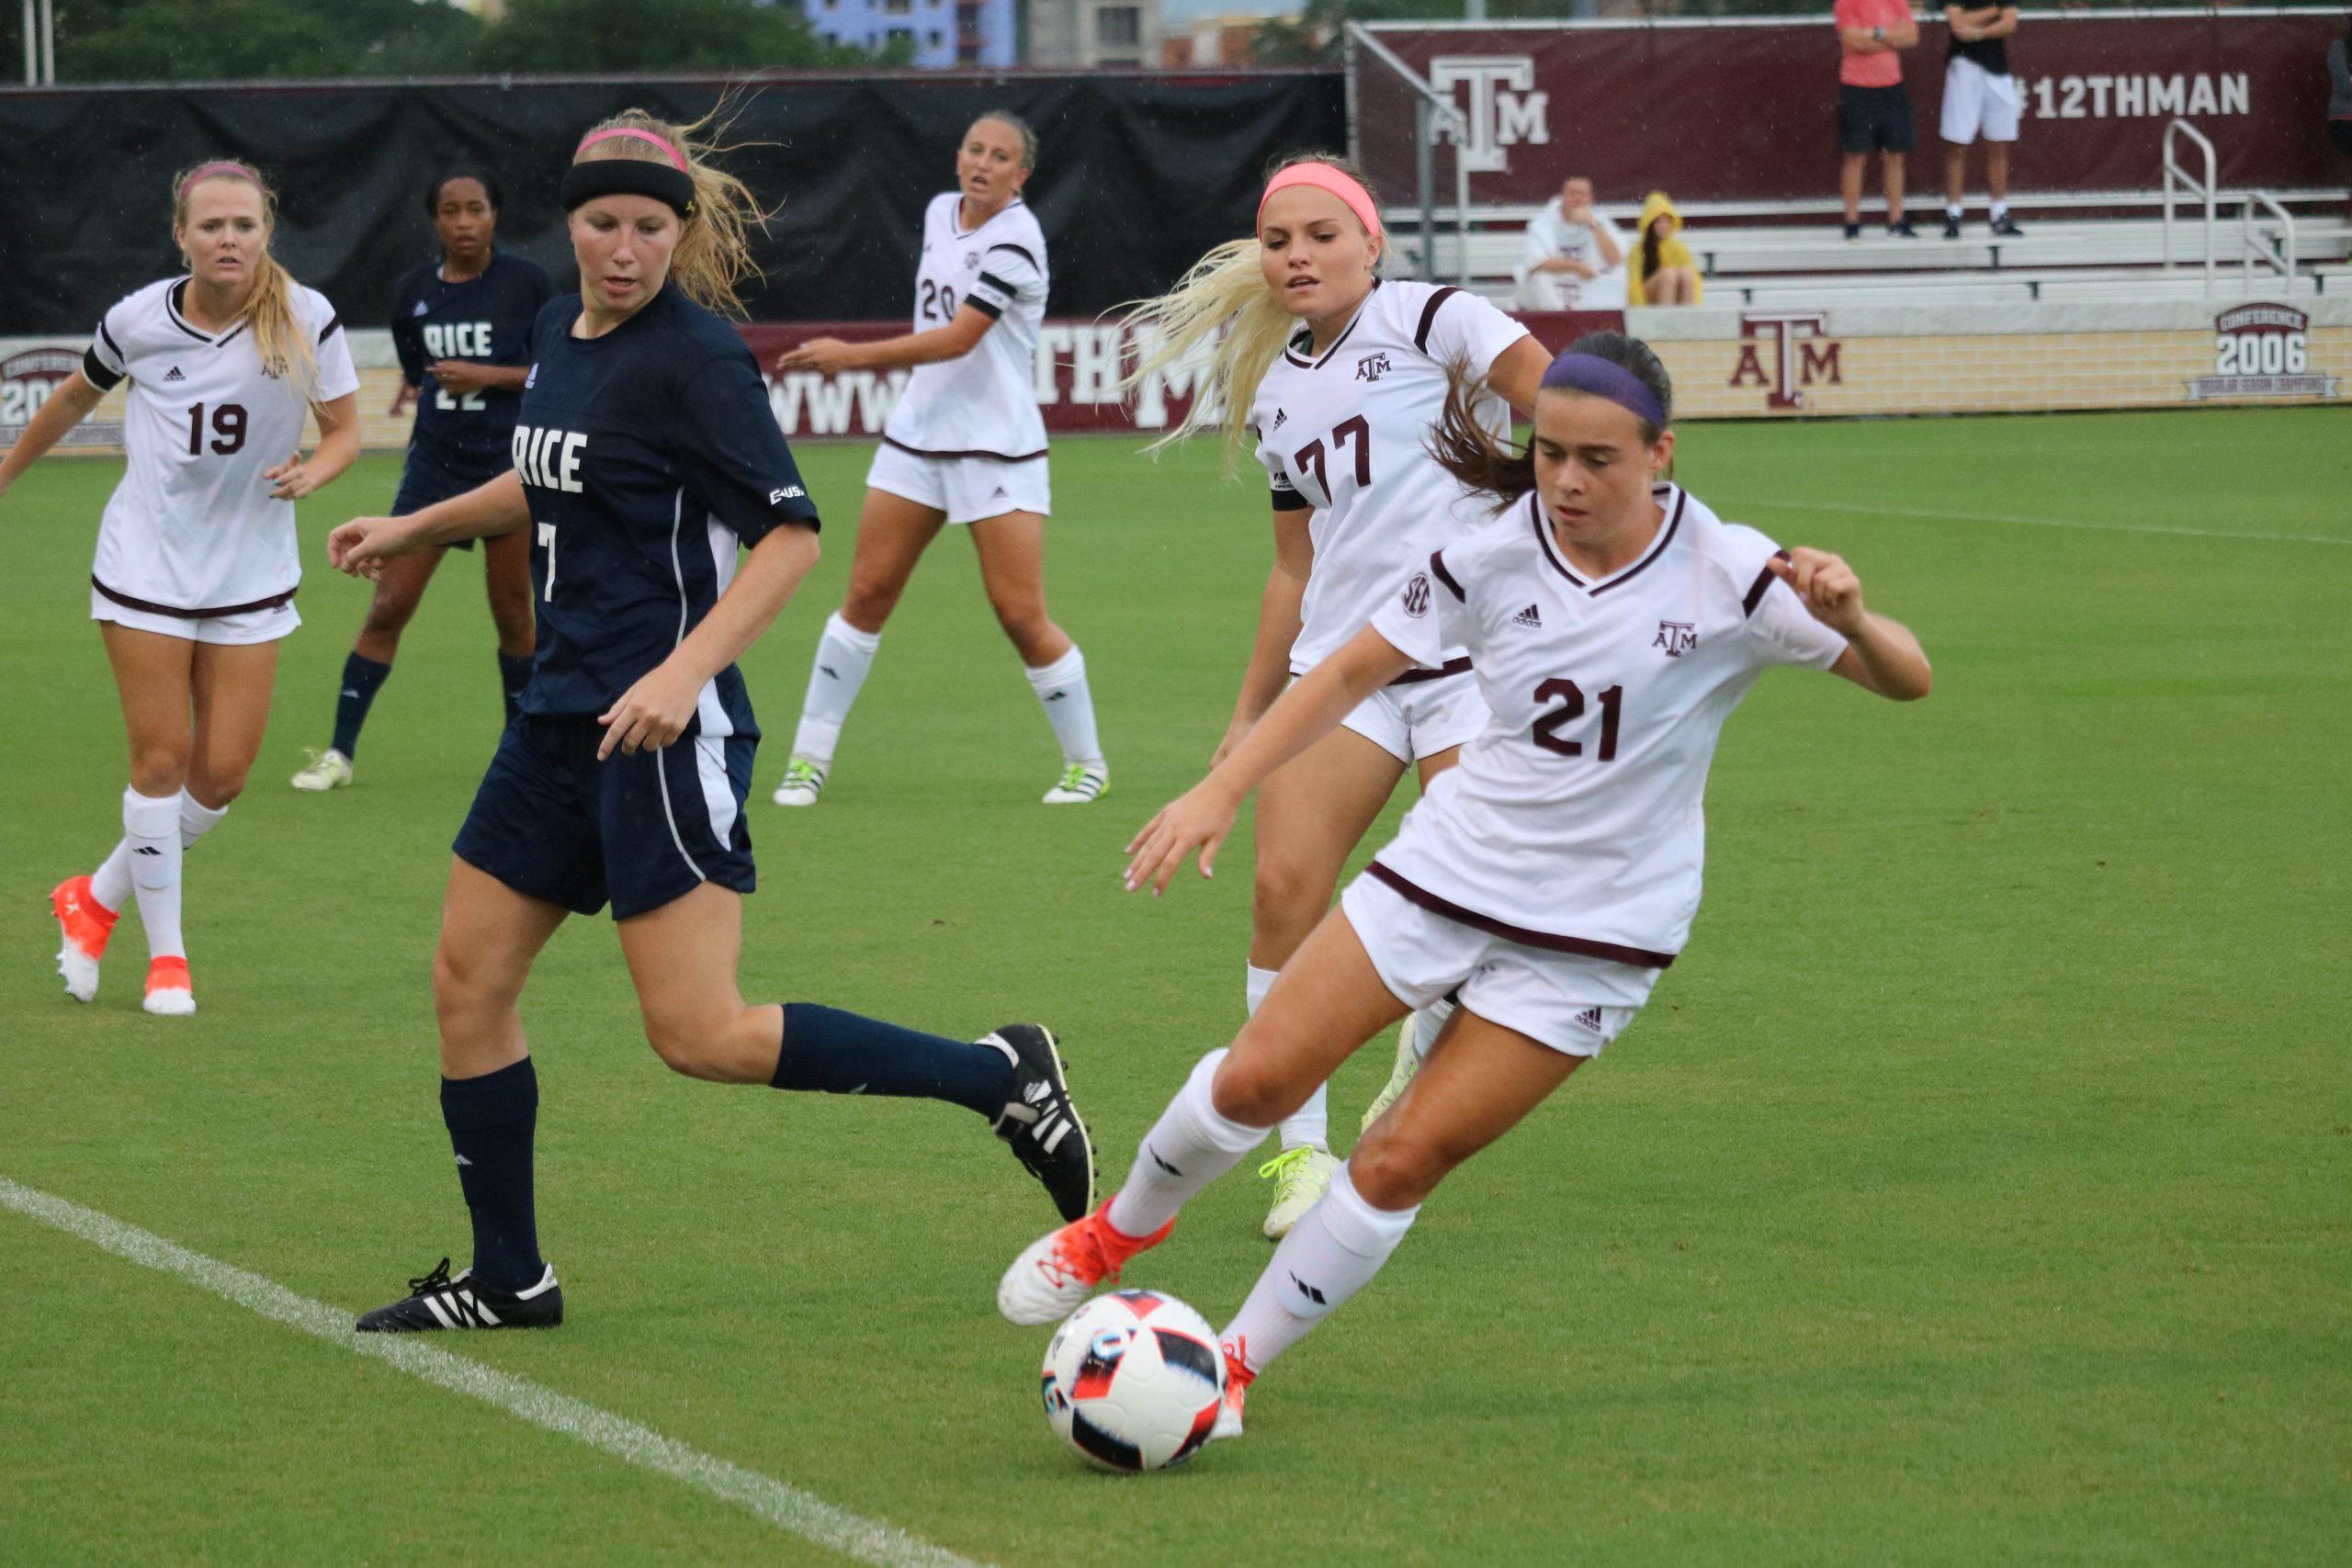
(2250, 249)
(2173, 171)
(1433, 113)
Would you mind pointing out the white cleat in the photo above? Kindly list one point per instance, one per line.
(1300, 1176)
(79, 971)
(1409, 1062)
(1057, 1272)
(83, 925)
(804, 781)
(1080, 783)
(328, 770)
(169, 993)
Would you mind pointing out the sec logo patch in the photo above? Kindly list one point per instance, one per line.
(1416, 595)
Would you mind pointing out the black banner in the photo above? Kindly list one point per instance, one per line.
(1137, 176)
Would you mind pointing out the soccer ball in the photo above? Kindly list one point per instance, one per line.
(1133, 1380)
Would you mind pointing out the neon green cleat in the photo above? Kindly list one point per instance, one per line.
(328, 770)
(803, 782)
(1409, 1062)
(1299, 1176)
(1080, 783)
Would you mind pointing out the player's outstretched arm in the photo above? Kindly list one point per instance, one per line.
(1200, 817)
(338, 449)
(67, 407)
(1279, 621)
(829, 356)
(656, 710)
(362, 546)
(1881, 656)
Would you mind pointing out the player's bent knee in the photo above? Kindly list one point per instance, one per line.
(1395, 1170)
(1250, 1088)
(695, 1046)
(157, 771)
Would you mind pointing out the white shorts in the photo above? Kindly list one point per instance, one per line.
(229, 631)
(1420, 718)
(1566, 1000)
(969, 490)
(1977, 103)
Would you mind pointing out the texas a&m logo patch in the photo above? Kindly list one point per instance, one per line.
(1678, 638)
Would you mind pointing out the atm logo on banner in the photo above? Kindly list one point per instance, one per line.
(1802, 354)
(1503, 107)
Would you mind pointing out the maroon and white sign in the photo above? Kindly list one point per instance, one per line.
(26, 381)
(2262, 351)
(1740, 110)
(1078, 366)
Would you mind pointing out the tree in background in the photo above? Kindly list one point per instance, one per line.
(148, 40)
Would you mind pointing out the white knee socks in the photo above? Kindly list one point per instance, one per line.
(1310, 1124)
(1190, 1146)
(1327, 1257)
(151, 835)
(110, 884)
(845, 654)
(1070, 706)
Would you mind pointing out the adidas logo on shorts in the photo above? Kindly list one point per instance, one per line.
(1589, 1018)
(1530, 617)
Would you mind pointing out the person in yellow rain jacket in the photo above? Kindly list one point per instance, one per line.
(1659, 268)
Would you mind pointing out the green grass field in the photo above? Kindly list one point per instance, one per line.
(1979, 1188)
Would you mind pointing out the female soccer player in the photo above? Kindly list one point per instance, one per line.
(1616, 622)
(196, 561)
(645, 455)
(461, 326)
(1344, 374)
(965, 446)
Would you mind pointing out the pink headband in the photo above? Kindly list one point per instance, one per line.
(1323, 176)
(214, 171)
(667, 151)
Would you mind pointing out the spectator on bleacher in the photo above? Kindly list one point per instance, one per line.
(1659, 269)
(1980, 100)
(1574, 258)
(1873, 107)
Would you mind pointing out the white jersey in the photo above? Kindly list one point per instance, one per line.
(985, 404)
(191, 530)
(1342, 433)
(1574, 821)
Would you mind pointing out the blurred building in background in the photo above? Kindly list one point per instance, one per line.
(940, 33)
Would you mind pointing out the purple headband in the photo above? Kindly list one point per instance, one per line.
(1590, 373)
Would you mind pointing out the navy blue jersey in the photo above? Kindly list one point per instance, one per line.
(487, 318)
(646, 455)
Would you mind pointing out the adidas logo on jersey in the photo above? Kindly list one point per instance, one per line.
(175, 373)
(419, 309)
(1589, 1018)
(1530, 617)
(1280, 415)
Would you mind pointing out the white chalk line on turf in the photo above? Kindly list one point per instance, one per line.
(2042, 522)
(787, 1506)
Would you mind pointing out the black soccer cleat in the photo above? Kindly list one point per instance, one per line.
(1039, 1121)
(437, 1301)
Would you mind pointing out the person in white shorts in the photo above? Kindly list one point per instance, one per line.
(1980, 101)
(196, 560)
(1344, 374)
(1547, 880)
(964, 446)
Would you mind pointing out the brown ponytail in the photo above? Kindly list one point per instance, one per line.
(1472, 454)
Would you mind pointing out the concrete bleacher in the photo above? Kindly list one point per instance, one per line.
(1809, 264)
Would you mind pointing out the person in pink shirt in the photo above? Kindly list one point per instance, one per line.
(1873, 107)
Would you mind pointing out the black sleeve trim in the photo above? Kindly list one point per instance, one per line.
(999, 285)
(112, 347)
(1437, 569)
(1018, 251)
(1291, 500)
(334, 325)
(94, 371)
(1428, 317)
(988, 307)
(1755, 589)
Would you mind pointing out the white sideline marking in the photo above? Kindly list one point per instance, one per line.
(803, 1513)
(2044, 522)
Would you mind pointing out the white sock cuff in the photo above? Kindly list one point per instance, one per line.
(196, 820)
(1196, 1110)
(1069, 667)
(1355, 1224)
(146, 817)
(865, 642)
(1255, 983)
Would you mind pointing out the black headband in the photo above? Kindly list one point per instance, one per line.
(629, 176)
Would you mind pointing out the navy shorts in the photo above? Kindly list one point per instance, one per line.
(426, 479)
(552, 822)
(1874, 118)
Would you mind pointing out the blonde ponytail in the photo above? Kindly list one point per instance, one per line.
(714, 254)
(280, 338)
(1224, 291)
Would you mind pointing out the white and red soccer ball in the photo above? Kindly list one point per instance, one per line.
(1134, 1381)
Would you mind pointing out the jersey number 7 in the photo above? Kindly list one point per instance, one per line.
(546, 538)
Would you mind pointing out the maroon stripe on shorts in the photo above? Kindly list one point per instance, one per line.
(1550, 942)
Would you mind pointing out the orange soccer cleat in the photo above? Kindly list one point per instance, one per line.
(169, 995)
(1058, 1272)
(1237, 1378)
(85, 924)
